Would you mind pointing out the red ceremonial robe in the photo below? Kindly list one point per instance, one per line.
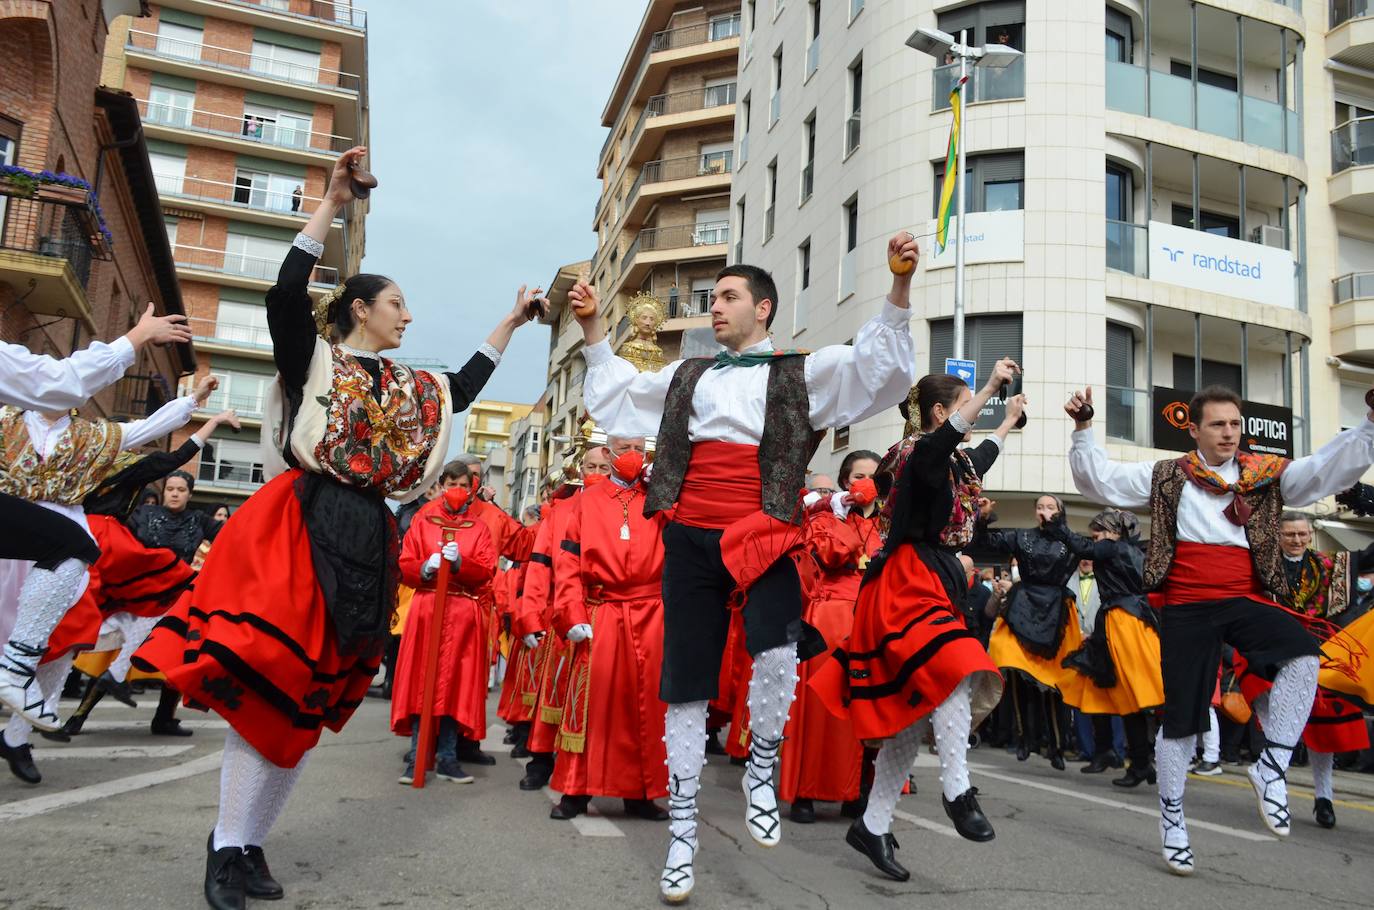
(511, 707)
(611, 738)
(507, 534)
(822, 759)
(461, 690)
(551, 663)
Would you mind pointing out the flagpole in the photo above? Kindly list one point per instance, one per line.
(959, 191)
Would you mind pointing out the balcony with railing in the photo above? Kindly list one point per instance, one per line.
(1352, 166)
(256, 198)
(328, 12)
(217, 332)
(1351, 36)
(198, 55)
(1352, 316)
(681, 241)
(230, 474)
(690, 35)
(1128, 248)
(245, 129)
(243, 265)
(250, 406)
(47, 245)
(717, 102)
(137, 396)
(676, 175)
(984, 83)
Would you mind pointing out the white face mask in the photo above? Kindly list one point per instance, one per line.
(1015, 574)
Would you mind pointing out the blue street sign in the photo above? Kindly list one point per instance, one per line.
(964, 369)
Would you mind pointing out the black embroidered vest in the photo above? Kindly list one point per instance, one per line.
(786, 447)
(1261, 531)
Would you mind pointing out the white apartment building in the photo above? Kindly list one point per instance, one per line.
(1162, 194)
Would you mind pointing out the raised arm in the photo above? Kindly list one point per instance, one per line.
(1126, 486)
(621, 399)
(1332, 468)
(42, 383)
(850, 383)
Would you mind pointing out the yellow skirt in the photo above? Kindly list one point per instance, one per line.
(1007, 653)
(1362, 687)
(93, 663)
(1134, 647)
(398, 619)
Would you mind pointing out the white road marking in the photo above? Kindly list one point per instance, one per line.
(134, 723)
(592, 824)
(51, 802)
(48, 753)
(493, 743)
(1116, 804)
(919, 822)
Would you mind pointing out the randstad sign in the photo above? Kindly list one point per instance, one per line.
(1220, 265)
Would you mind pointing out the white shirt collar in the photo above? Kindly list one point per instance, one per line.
(1224, 468)
(1297, 558)
(758, 348)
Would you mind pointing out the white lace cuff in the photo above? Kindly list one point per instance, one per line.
(308, 244)
(957, 421)
(491, 354)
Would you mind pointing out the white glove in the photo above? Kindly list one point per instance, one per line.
(840, 504)
(810, 499)
(531, 640)
(580, 632)
(450, 552)
(430, 567)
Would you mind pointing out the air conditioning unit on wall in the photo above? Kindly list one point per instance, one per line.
(1269, 235)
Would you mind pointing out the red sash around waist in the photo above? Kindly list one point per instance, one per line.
(721, 487)
(1204, 571)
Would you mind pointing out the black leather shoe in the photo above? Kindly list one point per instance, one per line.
(570, 807)
(855, 807)
(224, 877)
(1134, 777)
(117, 690)
(74, 724)
(1022, 751)
(1057, 761)
(475, 757)
(56, 736)
(257, 878)
(519, 750)
(878, 848)
(1324, 813)
(511, 736)
(803, 812)
(534, 780)
(20, 759)
(968, 816)
(171, 727)
(646, 809)
(1099, 764)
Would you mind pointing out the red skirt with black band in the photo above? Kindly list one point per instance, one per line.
(253, 639)
(908, 651)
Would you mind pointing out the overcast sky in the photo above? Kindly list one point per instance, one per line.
(486, 126)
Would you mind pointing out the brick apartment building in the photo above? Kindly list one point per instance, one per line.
(79, 264)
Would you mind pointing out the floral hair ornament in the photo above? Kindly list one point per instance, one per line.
(326, 310)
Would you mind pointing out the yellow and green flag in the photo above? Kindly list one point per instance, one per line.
(952, 175)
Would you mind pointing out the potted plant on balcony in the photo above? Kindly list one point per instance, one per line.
(60, 189)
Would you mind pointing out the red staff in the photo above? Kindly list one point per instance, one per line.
(454, 500)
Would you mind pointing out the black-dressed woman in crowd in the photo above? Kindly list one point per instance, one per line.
(1039, 627)
(287, 622)
(1117, 668)
(910, 656)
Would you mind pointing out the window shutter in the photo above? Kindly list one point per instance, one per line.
(1120, 356)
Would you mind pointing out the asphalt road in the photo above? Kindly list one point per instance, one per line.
(121, 818)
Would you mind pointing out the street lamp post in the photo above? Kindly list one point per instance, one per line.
(942, 45)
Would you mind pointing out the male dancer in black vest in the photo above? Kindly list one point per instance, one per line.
(734, 442)
(1214, 553)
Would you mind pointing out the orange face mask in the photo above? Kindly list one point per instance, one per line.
(592, 480)
(455, 498)
(628, 465)
(863, 491)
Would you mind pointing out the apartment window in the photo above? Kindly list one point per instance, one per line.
(775, 102)
(288, 63)
(7, 154)
(851, 224)
(169, 223)
(244, 392)
(856, 94)
(719, 91)
(275, 126)
(801, 308)
(169, 172)
(1120, 39)
(772, 200)
(994, 184)
(242, 323)
(255, 257)
(722, 27)
(1125, 250)
(712, 226)
(808, 172)
(813, 47)
(1212, 222)
(264, 190)
(716, 158)
(230, 462)
(992, 22)
(987, 339)
(179, 40)
(170, 106)
(849, 260)
(739, 231)
(747, 108)
(855, 7)
(1215, 78)
(496, 424)
(840, 439)
(1214, 372)
(1121, 397)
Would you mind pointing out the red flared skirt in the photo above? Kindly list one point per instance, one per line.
(907, 653)
(611, 737)
(460, 690)
(253, 640)
(1335, 725)
(821, 757)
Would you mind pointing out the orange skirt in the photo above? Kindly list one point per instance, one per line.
(1134, 648)
(1007, 654)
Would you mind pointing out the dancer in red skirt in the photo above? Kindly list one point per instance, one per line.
(460, 695)
(910, 655)
(285, 628)
(1322, 586)
(821, 757)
